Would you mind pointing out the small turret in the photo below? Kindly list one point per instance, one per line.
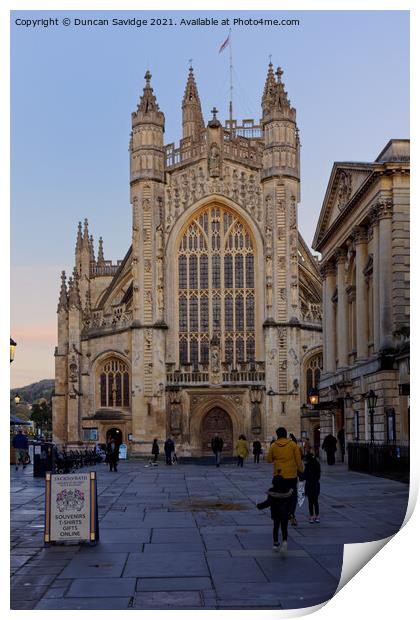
(92, 249)
(192, 117)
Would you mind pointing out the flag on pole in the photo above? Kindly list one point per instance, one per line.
(224, 44)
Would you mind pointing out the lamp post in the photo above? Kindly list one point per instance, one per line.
(17, 398)
(13, 345)
(371, 398)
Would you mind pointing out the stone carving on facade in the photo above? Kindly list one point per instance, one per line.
(344, 189)
(384, 208)
(214, 160)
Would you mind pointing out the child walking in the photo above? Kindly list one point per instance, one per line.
(312, 475)
(280, 501)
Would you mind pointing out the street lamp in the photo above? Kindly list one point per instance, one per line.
(17, 399)
(271, 392)
(313, 396)
(12, 349)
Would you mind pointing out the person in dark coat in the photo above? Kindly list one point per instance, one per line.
(329, 445)
(312, 475)
(280, 501)
(256, 450)
(217, 447)
(155, 450)
(112, 454)
(21, 446)
(169, 447)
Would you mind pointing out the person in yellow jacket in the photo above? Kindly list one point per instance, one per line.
(241, 450)
(286, 457)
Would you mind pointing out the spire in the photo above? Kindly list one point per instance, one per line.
(74, 295)
(269, 87)
(192, 116)
(79, 238)
(101, 251)
(148, 108)
(63, 300)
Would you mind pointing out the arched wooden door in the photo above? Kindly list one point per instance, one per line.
(218, 421)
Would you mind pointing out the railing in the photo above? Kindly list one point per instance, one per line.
(104, 269)
(248, 374)
(389, 460)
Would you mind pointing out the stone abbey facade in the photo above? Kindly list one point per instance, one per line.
(213, 317)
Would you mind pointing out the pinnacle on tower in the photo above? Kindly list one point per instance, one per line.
(92, 249)
(79, 238)
(101, 251)
(63, 299)
(74, 295)
(274, 99)
(85, 232)
(192, 116)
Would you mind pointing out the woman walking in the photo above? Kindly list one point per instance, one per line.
(241, 450)
(280, 501)
(312, 475)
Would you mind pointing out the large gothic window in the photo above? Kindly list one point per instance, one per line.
(216, 294)
(114, 384)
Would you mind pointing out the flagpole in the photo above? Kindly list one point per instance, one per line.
(231, 81)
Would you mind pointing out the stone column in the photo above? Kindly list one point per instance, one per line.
(342, 310)
(385, 280)
(362, 321)
(329, 330)
(375, 278)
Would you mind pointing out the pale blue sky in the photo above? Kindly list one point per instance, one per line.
(73, 91)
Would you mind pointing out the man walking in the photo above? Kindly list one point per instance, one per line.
(21, 445)
(217, 447)
(256, 450)
(329, 445)
(286, 457)
(169, 447)
(112, 453)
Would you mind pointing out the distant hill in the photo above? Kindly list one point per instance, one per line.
(33, 392)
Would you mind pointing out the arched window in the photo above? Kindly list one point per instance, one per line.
(313, 373)
(216, 295)
(114, 384)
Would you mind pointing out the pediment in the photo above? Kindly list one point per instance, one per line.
(345, 181)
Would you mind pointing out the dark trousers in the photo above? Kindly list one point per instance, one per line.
(256, 458)
(330, 457)
(313, 505)
(277, 523)
(293, 485)
(155, 458)
(112, 464)
(240, 461)
(168, 458)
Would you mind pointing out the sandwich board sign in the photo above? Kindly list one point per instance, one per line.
(71, 508)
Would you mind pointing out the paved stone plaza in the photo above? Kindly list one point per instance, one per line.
(190, 537)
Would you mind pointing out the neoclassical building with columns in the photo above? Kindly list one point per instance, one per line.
(207, 323)
(364, 238)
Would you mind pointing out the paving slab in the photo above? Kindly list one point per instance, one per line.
(175, 534)
(116, 535)
(168, 600)
(99, 565)
(186, 564)
(173, 584)
(226, 570)
(114, 587)
(84, 603)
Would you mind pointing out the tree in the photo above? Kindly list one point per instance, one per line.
(41, 414)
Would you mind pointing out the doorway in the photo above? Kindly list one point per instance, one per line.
(217, 420)
(114, 434)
